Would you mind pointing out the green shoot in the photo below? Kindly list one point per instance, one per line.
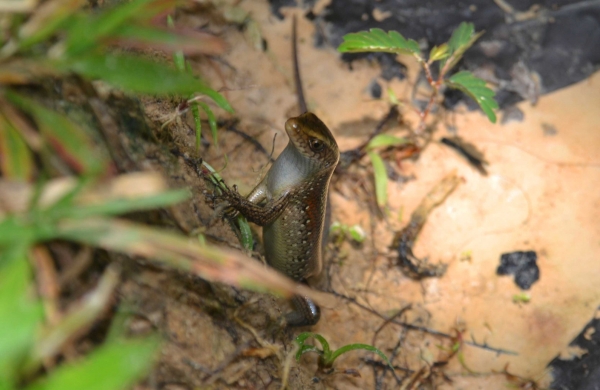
(380, 177)
(379, 170)
(245, 232)
(355, 233)
(326, 356)
(522, 297)
(377, 40)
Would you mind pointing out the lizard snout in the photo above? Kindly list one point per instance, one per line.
(292, 125)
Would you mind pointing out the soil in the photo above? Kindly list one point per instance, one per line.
(540, 194)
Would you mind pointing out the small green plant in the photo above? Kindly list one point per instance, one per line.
(446, 55)
(245, 233)
(343, 232)
(381, 141)
(326, 355)
(193, 102)
(522, 297)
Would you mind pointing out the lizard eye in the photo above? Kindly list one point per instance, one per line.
(315, 144)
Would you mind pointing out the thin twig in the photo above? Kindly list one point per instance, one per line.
(424, 329)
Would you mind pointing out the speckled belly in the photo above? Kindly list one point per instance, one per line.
(293, 242)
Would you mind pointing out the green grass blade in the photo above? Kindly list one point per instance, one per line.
(88, 31)
(381, 178)
(176, 251)
(67, 139)
(16, 161)
(197, 125)
(212, 121)
(376, 40)
(20, 312)
(353, 347)
(386, 140)
(245, 233)
(477, 90)
(148, 35)
(178, 57)
(302, 337)
(46, 20)
(307, 348)
(121, 206)
(113, 366)
(80, 317)
(136, 74)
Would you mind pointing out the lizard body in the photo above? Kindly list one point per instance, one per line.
(290, 203)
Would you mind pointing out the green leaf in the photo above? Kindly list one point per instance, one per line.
(336, 228)
(302, 337)
(67, 139)
(477, 90)
(307, 348)
(439, 52)
(178, 57)
(148, 35)
(77, 319)
(352, 347)
(381, 178)
(86, 33)
(136, 74)
(357, 233)
(392, 97)
(121, 206)
(113, 366)
(212, 121)
(385, 140)
(462, 38)
(47, 19)
(20, 312)
(377, 40)
(245, 233)
(16, 161)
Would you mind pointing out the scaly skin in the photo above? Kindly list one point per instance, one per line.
(290, 204)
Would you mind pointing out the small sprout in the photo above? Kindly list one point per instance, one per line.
(381, 178)
(438, 53)
(447, 54)
(522, 297)
(466, 255)
(392, 97)
(326, 355)
(401, 213)
(386, 140)
(357, 233)
(343, 232)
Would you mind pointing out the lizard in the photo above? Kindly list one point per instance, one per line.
(290, 204)
(291, 201)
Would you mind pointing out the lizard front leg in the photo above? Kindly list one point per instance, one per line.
(261, 215)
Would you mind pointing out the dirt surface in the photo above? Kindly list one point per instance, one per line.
(540, 195)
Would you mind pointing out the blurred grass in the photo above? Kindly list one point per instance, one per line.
(59, 183)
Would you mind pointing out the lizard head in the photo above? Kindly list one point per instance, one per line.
(313, 139)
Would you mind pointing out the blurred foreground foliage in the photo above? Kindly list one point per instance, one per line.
(58, 183)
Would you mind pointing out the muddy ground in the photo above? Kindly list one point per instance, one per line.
(540, 195)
